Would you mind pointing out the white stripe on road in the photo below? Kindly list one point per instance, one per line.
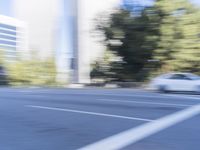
(182, 96)
(103, 94)
(143, 102)
(142, 95)
(133, 101)
(133, 135)
(90, 113)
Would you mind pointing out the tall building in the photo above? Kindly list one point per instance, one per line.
(49, 31)
(41, 17)
(89, 45)
(62, 28)
(66, 42)
(13, 38)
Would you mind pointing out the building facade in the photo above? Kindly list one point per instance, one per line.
(89, 46)
(13, 38)
(62, 28)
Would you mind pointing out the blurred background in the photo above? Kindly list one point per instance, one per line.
(63, 42)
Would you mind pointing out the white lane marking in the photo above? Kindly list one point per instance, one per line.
(154, 95)
(182, 96)
(25, 91)
(133, 135)
(90, 113)
(142, 95)
(144, 102)
(102, 94)
(135, 96)
(121, 95)
(132, 101)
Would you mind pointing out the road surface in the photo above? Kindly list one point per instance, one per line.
(92, 119)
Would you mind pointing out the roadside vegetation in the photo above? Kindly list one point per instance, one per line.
(157, 39)
(33, 72)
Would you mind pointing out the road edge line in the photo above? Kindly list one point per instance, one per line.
(134, 135)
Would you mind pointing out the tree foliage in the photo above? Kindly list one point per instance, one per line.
(178, 45)
(133, 38)
(164, 37)
(107, 68)
(32, 72)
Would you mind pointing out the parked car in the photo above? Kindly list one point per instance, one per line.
(186, 82)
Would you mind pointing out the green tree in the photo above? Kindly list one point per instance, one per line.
(162, 38)
(179, 35)
(107, 68)
(133, 38)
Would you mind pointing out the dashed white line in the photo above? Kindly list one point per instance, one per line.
(103, 94)
(133, 135)
(143, 102)
(182, 96)
(90, 113)
(142, 95)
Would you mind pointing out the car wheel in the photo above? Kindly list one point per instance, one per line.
(163, 89)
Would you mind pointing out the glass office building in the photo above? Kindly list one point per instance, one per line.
(13, 40)
(8, 39)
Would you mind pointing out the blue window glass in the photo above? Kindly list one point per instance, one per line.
(8, 43)
(7, 37)
(8, 32)
(7, 26)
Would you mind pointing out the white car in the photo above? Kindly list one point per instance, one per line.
(186, 82)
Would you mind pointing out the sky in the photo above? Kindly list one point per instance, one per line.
(147, 2)
(150, 2)
(5, 8)
(196, 1)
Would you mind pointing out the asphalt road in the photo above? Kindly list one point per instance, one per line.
(92, 119)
